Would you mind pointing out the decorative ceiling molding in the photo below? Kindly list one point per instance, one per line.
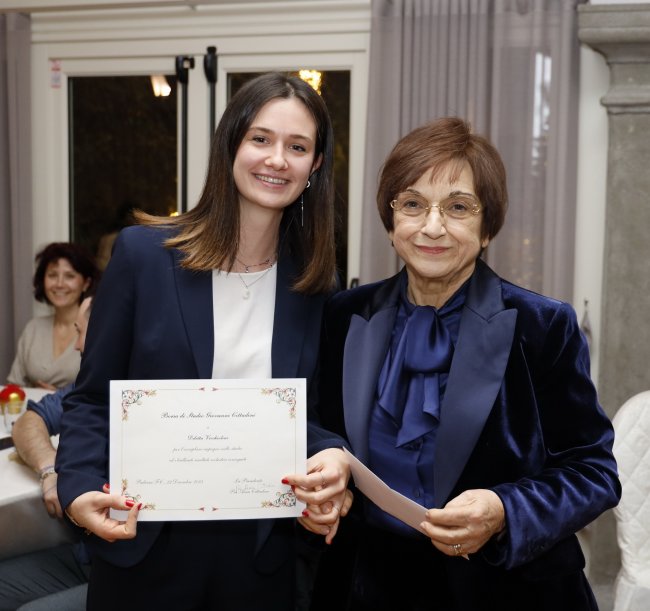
(39, 6)
(621, 33)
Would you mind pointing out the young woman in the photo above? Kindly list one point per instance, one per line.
(234, 288)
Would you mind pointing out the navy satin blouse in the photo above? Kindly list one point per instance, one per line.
(406, 413)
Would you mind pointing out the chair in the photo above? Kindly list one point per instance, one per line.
(632, 451)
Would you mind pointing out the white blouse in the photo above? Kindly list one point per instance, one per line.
(243, 312)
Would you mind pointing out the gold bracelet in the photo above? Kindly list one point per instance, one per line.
(72, 519)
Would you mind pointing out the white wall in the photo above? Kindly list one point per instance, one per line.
(318, 34)
(592, 187)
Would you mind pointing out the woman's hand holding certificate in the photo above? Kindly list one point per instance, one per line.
(324, 491)
(91, 512)
(208, 449)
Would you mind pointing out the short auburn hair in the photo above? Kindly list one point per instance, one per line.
(435, 146)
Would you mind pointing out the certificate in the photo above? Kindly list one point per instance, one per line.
(207, 449)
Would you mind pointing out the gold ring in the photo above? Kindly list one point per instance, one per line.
(458, 548)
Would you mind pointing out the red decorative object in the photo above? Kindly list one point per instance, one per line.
(12, 392)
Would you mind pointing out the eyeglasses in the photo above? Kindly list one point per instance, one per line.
(457, 207)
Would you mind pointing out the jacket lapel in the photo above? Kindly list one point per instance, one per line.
(195, 298)
(477, 371)
(366, 345)
(289, 323)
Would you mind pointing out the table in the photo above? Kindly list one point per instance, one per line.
(25, 525)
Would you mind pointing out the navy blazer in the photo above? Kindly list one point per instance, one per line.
(152, 319)
(520, 415)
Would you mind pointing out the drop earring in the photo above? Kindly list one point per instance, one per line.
(302, 205)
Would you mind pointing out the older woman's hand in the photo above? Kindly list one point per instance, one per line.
(90, 511)
(324, 491)
(466, 523)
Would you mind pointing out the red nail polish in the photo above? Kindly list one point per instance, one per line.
(305, 513)
(139, 506)
(285, 480)
(129, 503)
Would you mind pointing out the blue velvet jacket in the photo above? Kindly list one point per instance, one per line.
(520, 414)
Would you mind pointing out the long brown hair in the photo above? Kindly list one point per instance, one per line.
(208, 235)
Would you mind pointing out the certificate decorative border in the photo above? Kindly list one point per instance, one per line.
(286, 394)
(137, 498)
(133, 397)
(282, 498)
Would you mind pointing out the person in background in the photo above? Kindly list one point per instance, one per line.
(123, 218)
(234, 288)
(467, 394)
(53, 578)
(46, 357)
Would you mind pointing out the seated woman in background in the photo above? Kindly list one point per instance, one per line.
(46, 357)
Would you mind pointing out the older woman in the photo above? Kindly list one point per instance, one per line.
(467, 394)
(46, 357)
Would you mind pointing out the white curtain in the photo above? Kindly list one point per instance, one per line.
(15, 184)
(509, 67)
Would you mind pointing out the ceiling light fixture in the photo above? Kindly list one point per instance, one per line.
(161, 87)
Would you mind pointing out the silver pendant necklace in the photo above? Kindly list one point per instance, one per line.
(247, 293)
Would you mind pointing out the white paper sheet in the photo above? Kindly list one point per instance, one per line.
(208, 449)
(383, 496)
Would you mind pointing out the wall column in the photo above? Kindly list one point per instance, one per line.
(621, 33)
